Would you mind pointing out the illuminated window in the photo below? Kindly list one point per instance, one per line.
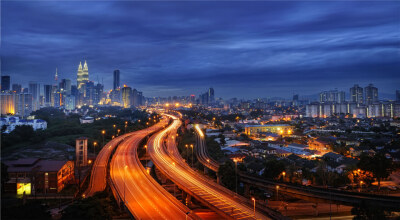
(23, 187)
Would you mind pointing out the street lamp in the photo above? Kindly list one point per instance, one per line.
(145, 156)
(187, 153)
(192, 153)
(235, 160)
(277, 192)
(103, 132)
(283, 176)
(254, 201)
(126, 125)
(94, 147)
(118, 131)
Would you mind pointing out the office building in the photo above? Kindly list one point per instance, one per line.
(47, 95)
(211, 98)
(116, 80)
(8, 101)
(370, 94)
(17, 88)
(356, 94)
(5, 83)
(65, 86)
(126, 96)
(24, 104)
(82, 76)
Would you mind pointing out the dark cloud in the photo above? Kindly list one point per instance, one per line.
(244, 49)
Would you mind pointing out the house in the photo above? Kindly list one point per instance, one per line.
(322, 144)
(32, 175)
(357, 151)
(333, 157)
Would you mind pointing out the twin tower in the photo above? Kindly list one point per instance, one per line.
(83, 75)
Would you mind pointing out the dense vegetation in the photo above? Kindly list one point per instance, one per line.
(100, 206)
(65, 129)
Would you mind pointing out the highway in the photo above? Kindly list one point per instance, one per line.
(201, 151)
(164, 154)
(98, 176)
(142, 195)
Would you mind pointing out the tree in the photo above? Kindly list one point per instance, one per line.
(222, 139)
(227, 174)
(273, 168)
(378, 165)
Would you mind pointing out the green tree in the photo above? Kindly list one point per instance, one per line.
(273, 168)
(378, 165)
(222, 139)
(227, 174)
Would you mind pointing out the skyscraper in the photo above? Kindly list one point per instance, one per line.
(126, 96)
(5, 83)
(65, 86)
(356, 94)
(47, 94)
(34, 90)
(211, 98)
(17, 88)
(116, 79)
(83, 75)
(371, 94)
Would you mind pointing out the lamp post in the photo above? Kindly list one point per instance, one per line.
(192, 153)
(103, 132)
(145, 156)
(94, 148)
(254, 202)
(114, 126)
(235, 160)
(119, 130)
(283, 176)
(277, 192)
(187, 153)
(126, 125)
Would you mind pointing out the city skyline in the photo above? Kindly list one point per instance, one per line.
(190, 50)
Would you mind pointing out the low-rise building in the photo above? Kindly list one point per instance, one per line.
(13, 121)
(282, 129)
(32, 175)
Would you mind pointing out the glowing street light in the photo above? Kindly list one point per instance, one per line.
(94, 147)
(192, 153)
(103, 132)
(277, 192)
(254, 201)
(126, 125)
(235, 160)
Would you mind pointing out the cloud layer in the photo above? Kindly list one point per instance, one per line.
(243, 49)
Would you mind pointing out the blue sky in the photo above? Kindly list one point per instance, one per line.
(243, 49)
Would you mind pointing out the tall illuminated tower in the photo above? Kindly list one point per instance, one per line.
(83, 75)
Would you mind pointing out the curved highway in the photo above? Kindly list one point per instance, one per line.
(142, 195)
(201, 151)
(208, 192)
(98, 178)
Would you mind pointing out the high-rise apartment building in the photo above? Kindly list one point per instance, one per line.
(82, 76)
(356, 94)
(116, 79)
(370, 94)
(5, 83)
(332, 96)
